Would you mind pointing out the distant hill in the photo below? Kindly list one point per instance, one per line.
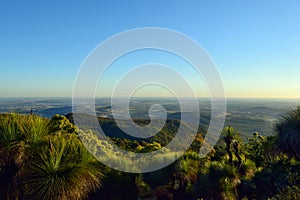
(111, 129)
(246, 115)
(49, 112)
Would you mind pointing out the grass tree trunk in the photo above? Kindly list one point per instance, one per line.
(228, 144)
(236, 152)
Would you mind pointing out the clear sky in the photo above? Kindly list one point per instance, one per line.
(255, 44)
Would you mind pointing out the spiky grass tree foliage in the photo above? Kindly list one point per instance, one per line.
(18, 133)
(11, 141)
(289, 133)
(63, 170)
(232, 141)
(186, 170)
(39, 164)
(220, 182)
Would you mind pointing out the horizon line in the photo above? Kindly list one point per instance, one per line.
(230, 97)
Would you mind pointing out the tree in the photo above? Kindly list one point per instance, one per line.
(63, 170)
(288, 129)
(232, 141)
(39, 164)
(19, 134)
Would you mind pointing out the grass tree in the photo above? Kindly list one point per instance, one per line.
(232, 142)
(37, 163)
(289, 133)
(19, 134)
(63, 170)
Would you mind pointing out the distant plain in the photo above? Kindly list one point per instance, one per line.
(246, 115)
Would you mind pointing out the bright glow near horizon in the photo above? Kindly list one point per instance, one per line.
(254, 44)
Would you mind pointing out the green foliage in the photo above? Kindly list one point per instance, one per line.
(163, 137)
(17, 133)
(45, 159)
(256, 149)
(39, 164)
(63, 170)
(144, 190)
(61, 123)
(276, 177)
(233, 142)
(289, 133)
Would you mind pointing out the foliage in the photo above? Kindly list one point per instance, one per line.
(289, 133)
(45, 159)
(39, 164)
(61, 123)
(232, 141)
(63, 170)
(17, 133)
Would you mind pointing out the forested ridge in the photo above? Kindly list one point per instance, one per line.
(45, 159)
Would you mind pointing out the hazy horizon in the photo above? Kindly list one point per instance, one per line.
(150, 97)
(247, 115)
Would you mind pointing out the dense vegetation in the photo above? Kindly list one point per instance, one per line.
(45, 159)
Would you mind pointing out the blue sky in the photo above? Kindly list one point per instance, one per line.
(254, 44)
